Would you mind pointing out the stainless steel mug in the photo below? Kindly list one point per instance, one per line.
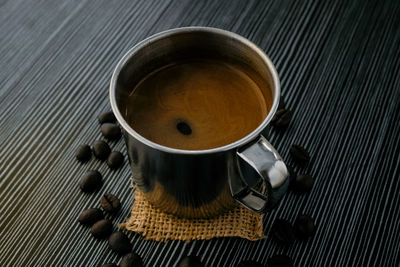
(200, 183)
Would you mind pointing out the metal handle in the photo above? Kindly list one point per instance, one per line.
(263, 175)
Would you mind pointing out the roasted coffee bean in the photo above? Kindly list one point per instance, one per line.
(110, 131)
(292, 175)
(101, 149)
(115, 160)
(249, 263)
(282, 231)
(109, 265)
(110, 203)
(131, 260)
(90, 216)
(119, 243)
(83, 153)
(184, 128)
(107, 117)
(303, 183)
(282, 118)
(304, 226)
(281, 103)
(101, 229)
(91, 181)
(299, 153)
(280, 261)
(190, 261)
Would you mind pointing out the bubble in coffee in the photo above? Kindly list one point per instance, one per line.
(198, 104)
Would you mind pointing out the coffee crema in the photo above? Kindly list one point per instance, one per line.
(198, 104)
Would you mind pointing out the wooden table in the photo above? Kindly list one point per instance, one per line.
(339, 64)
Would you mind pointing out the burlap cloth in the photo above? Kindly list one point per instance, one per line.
(153, 224)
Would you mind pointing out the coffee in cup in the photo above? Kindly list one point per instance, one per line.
(198, 104)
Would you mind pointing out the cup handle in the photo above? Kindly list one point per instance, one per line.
(271, 176)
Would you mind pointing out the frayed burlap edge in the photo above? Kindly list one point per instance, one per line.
(156, 225)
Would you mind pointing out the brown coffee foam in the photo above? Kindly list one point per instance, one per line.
(154, 224)
(219, 101)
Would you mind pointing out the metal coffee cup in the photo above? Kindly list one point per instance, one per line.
(201, 183)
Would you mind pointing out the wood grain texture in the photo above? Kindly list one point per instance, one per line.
(339, 67)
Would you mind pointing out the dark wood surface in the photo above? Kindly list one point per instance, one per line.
(339, 67)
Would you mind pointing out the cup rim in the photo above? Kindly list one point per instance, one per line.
(244, 140)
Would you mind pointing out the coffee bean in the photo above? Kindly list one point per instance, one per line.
(303, 183)
(101, 229)
(110, 203)
(91, 181)
(292, 175)
(281, 103)
(299, 154)
(280, 261)
(304, 226)
(83, 153)
(90, 216)
(101, 150)
(115, 160)
(282, 118)
(184, 128)
(282, 231)
(109, 265)
(107, 117)
(190, 261)
(131, 260)
(119, 243)
(111, 131)
(249, 263)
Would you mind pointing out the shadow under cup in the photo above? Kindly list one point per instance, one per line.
(187, 183)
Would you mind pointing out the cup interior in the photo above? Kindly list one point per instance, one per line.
(188, 43)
